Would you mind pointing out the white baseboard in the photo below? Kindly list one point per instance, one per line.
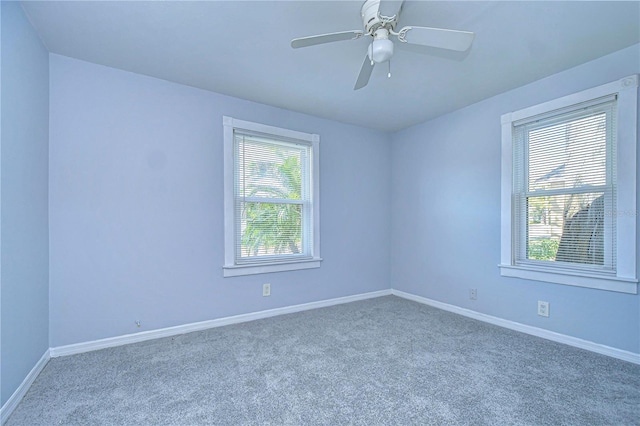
(204, 325)
(17, 396)
(534, 331)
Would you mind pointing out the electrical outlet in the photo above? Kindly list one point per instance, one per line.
(543, 308)
(473, 293)
(138, 323)
(266, 290)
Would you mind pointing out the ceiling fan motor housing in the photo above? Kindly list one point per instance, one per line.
(372, 20)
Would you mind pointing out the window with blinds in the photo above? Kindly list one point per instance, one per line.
(568, 209)
(564, 188)
(272, 199)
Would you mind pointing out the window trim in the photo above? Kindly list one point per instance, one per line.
(626, 279)
(230, 267)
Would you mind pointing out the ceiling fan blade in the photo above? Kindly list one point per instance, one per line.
(390, 7)
(325, 38)
(437, 37)
(365, 73)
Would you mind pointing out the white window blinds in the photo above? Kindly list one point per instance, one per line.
(564, 188)
(272, 199)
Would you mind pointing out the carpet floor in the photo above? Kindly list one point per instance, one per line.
(384, 361)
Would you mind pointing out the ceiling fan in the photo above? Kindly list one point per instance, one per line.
(381, 27)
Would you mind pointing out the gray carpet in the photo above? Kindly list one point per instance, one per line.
(384, 361)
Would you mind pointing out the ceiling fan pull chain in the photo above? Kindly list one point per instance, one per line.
(389, 74)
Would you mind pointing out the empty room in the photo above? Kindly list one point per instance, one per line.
(319, 212)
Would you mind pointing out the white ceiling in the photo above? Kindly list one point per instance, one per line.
(242, 49)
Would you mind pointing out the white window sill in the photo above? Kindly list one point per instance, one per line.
(611, 283)
(265, 268)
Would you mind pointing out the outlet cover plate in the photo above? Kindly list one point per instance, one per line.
(543, 308)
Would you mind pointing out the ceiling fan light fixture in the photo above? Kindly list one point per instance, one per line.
(380, 50)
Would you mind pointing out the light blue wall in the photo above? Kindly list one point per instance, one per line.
(446, 216)
(136, 206)
(24, 261)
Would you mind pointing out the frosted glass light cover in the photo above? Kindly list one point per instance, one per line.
(380, 50)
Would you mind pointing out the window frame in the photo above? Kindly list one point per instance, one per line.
(625, 279)
(232, 267)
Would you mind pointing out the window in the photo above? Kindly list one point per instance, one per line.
(569, 189)
(271, 199)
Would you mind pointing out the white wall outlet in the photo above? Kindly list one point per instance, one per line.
(138, 323)
(266, 290)
(473, 293)
(543, 308)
